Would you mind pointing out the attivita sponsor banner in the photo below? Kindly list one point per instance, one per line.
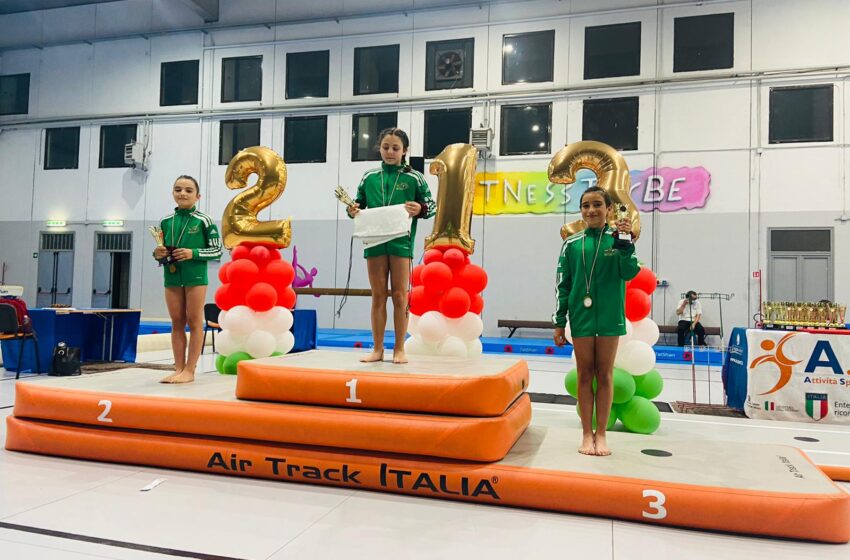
(798, 376)
(663, 189)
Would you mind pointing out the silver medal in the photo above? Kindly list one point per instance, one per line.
(588, 301)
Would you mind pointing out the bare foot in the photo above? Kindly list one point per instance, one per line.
(399, 357)
(602, 445)
(185, 376)
(375, 356)
(168, 378)
(587, 445)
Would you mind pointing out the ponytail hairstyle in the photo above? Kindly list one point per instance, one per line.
(405, 142)
(190, 178)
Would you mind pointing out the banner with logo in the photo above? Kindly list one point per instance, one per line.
(797, 376)
(663, 189)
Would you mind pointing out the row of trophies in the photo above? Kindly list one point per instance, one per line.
(803, 314)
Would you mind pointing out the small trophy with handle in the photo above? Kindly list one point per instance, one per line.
(622, 239)
(159, 237)
(342, 196)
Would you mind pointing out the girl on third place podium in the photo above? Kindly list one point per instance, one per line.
(591, 286)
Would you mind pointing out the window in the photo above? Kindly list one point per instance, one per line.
(800, 114)
(307, 74)
(235, 136)
(801, 240)
(612, 50)
(62, 148)
(612, 121)
(703, 42)
(376, 70)
(449, 64)
(305, 139)
(14, 94)
(525, 129)
(528, 57)
(242, 79)
(178, 83)
(364, 134)
(444, 127)
(112, 141)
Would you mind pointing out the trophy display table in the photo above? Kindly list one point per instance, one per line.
(344, 439)
(797, 375)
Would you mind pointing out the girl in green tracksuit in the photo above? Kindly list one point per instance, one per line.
(196, 241)
(591, 289)
(392, 183)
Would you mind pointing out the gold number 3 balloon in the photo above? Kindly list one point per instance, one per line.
(612, 174)
(239, 222)
(455, 167)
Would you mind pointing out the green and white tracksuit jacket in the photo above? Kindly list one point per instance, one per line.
(606, 317)
(190, 229)
(388, 185)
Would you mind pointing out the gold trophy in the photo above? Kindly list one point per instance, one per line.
(342, 196)
(622, 239)
(159, 237)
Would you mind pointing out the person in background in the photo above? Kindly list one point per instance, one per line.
(690, 314)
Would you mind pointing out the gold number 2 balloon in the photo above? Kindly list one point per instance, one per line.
(455, 167)
(612, 174)
(239, 222)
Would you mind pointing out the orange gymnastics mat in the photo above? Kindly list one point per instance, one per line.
(133, 398)
(482, 387)
(755, 489)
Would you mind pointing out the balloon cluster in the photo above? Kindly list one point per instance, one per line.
(635, 380)
(445, 305)
(255, 298)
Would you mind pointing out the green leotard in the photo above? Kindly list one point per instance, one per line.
(388, 185)
(190, 229)
(606, 317)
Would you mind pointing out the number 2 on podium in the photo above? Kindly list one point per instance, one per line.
(352, 391)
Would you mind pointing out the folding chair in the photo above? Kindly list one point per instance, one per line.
(211, 312)
(11, 329)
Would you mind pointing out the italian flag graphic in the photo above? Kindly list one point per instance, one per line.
(817, 405)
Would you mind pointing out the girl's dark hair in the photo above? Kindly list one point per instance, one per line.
(405, 142)
(190, 178)
(605, 196)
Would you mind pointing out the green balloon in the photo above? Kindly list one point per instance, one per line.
(639, 415)
(232, 360)
(650, 385)
(624, 385)
(571, 382)
(612, 418)
(276, 354)
(219, 362)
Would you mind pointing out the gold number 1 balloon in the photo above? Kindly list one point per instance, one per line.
(612, 174)
(239, 222)
(455, 167)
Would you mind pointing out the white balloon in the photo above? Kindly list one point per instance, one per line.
(636, 357)
(222, 315)
(227, 343)
(433, 327)
(474, 348)
(260, 344)
(285, 342)
(416, 346)
(629, 334)
(454, 347)
(413, 324)
(646, 331)
(276, 320)
(467, 328)
(241, 321)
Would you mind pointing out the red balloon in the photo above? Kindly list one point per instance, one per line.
(287, 298)
(280, 274)
(240, 252)
(472, 278)
(243, 272)
(416, 275)
(476, 304)
(637, 305)
(454, 303)
(455, 258)
(226, 296)
(433, 255)
(274, 254)
(437, 277)
(261, 296)
(645, 281)
(222, 272)
(259, 255)
(418, 300)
